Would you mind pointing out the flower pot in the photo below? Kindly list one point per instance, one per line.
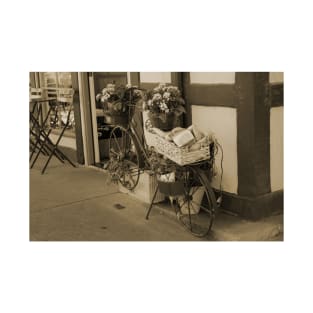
(158, 122)
(171, 188)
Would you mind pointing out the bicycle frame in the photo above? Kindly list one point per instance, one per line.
(141, 145)
(191, 187)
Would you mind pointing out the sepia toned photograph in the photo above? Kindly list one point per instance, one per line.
(156, 156)
(167, 157)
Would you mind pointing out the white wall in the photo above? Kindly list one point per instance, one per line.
(155, 77)
(212, 77)
(223, 123)
(277, 148)
(276, 77)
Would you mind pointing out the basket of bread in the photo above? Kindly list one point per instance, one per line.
(183, 145)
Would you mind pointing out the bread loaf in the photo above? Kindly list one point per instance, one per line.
(183, 138)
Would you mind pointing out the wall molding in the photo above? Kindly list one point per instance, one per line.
(148, 86)
(221, 95)
(253, 208)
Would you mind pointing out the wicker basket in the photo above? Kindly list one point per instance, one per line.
(171, 188)
(116, 119)
(181, 156)
(113, 117)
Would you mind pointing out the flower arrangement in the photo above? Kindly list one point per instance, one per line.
(165, 100)
(117, 99)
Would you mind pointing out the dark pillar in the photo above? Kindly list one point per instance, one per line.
(77, 117)
(254, 199)
(253, 134)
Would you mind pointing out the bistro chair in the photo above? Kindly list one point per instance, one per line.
(39, 130)
(35, 94)
(63, 104)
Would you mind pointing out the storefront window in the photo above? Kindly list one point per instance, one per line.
(51, 82)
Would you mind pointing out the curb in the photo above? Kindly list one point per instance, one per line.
(232, 228)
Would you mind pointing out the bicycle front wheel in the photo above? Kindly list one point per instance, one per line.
(124, 157)
(196, 207)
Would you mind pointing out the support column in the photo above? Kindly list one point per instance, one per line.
(86, 119)
(254, 199)
(77, 117)
(253, 134)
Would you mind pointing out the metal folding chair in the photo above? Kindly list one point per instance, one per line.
(36, 119)
(35, 93)
(63, 104)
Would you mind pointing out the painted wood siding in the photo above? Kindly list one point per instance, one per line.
(277, 131)
(277, 148)
(223, 123)
(212, 111)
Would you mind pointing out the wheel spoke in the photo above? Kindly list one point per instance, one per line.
(123, 151)
(118, 145)
(133, 170)
(205, 209)
(183, 203)
(194, 189)
(131, 178)
(193, 208)
(189, 216)
(113, 152)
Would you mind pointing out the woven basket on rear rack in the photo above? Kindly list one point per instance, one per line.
(116, 119)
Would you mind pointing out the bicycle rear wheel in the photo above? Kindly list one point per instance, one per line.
(124, 157)
(196, 207)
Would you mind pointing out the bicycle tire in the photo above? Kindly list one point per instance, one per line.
(124, 157)
(196, 207)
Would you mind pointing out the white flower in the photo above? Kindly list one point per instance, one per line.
(156, 97)
(159, 88)
(110, 88)
(166, 95)
(98, 96)
(163, 106)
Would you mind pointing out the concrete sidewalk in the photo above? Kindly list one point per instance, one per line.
(80, 204)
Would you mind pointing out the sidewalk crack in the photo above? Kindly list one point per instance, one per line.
(73, 202)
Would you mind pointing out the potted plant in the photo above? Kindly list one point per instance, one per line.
(165, 104)
(118, 102)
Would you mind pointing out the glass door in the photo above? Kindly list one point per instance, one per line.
(101, 130)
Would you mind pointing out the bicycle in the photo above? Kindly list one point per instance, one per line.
(191, 194)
